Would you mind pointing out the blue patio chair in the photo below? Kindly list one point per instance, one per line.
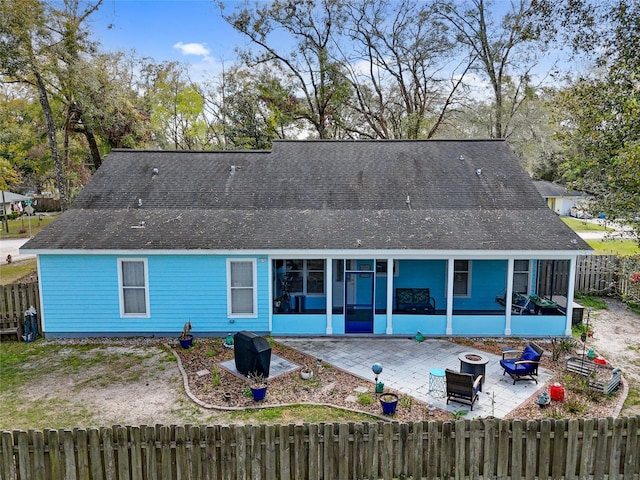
(522, 365)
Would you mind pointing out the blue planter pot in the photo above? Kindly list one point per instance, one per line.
(186, 342)
(389, 402)
(259, 393)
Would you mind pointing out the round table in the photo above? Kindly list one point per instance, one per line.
(474, 363)
(437, 382)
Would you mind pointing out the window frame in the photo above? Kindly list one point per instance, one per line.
(121, 288)
(468, 272)
(254, 288)
(522, 272)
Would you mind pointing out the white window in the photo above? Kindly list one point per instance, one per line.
(521, 276)
(241, 283)
(461, 278)
(133, 283)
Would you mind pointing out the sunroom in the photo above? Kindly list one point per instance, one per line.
(479, 296)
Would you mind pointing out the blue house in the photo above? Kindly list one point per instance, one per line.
(310, 238)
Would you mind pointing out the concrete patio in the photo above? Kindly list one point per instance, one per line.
(406, 364)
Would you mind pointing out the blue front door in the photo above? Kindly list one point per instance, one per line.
(359, 288)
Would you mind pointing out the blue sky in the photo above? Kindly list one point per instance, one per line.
(189, 31)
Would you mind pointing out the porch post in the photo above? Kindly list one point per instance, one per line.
(450, 264)
(390, 272)
(508, 297)
(329, 288)
(571, 285)
(272, 281)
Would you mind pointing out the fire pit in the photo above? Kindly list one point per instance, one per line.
(474, 363)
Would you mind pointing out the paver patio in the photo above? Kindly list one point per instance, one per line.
(406, 364)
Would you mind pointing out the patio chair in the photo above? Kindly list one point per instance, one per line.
(520, 304)
(522, 365)
(462, 388)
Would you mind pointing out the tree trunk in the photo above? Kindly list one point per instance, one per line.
(58, 167)
(93, 147)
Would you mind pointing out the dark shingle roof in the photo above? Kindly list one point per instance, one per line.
(550, 189)
(463, 195)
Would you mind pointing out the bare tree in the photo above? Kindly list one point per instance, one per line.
(400, 61)
(505, 49)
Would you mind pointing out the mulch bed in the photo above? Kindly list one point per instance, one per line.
(334, 387)
(328, 386)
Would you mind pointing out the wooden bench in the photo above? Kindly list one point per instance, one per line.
(10, 326)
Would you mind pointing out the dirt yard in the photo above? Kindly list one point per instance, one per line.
(140, 383)
(617, 339)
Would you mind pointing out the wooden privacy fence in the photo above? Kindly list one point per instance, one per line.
(608, 275)
(462, 449)
(16, 298)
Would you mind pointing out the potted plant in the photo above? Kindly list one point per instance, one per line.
(258, 386)
(186, 339)
(389, 402)
(306, 373)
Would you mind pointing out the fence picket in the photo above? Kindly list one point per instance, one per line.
(95, 455)
(39, 469)
(8, 462)
(24, 462)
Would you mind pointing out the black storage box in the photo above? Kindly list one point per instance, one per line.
(252, 353)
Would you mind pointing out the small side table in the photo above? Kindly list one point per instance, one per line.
(437, 382)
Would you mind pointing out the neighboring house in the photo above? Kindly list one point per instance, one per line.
(310, 238)
(561, 200)
(11, 201)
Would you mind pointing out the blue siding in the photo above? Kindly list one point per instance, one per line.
(426, 324)
(337, 324)
(538, 325)
(307, 324)
(80, 294)
(379, 324)
(484, 325)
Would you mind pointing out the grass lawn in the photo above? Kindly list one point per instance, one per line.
(614, 247)
(19, 228)
(578, 225)
(17, 270)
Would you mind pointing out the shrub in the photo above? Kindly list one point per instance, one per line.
(560, 346)
(574, 405)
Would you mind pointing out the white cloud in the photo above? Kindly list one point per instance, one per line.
(192, 49)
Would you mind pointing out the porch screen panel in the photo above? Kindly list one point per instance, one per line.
(521, 276)
(461, 278)
(337, 284)
(315, 276)
(134, 288)
(241, 274)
